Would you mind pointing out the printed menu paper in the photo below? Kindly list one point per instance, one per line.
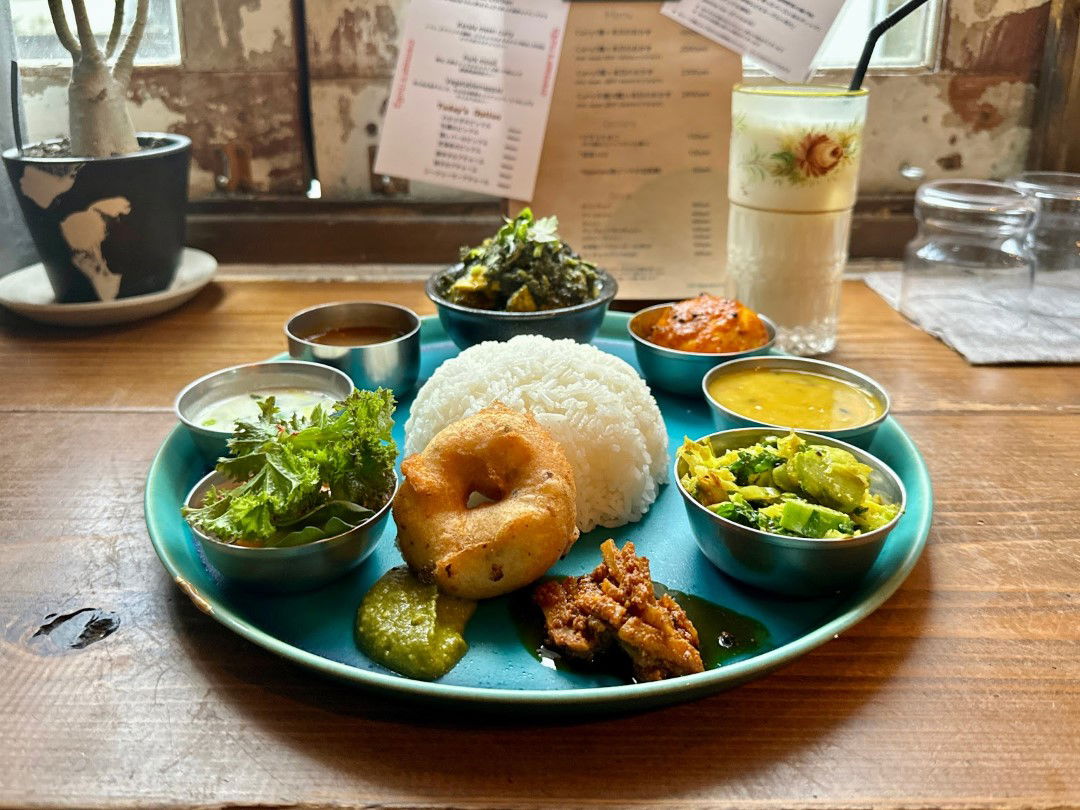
(635, 165)
(469, 100)
(784, 36)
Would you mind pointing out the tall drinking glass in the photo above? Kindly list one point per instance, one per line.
(793, 174)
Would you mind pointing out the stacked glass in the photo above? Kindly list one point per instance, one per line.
(1054, 242)
(969, 269)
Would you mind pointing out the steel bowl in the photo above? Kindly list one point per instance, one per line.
(861, 435)
(288, 570)
(394, 364)
(468, 326)
(246, 379)
(677, 371)
(794, 566)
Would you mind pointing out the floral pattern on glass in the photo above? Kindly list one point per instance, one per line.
(803, 156)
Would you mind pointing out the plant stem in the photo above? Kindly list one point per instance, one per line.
(63, 31)
(87, 42)
(126, 61)
(114, 32)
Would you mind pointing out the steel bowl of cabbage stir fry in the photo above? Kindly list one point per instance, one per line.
(799, 514)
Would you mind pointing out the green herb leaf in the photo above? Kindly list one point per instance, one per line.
(752, 463)
(327, 520)
(737, 510)
(291, 471)
(525, 254)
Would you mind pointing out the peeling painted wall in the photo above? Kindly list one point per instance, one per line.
(352, 51)
(236, 96)
(970, 118)
(353, 38)
(983, 130)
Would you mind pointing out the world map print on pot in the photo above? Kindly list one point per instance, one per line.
(105, 228)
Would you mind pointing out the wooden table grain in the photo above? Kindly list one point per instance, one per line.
(963, 690)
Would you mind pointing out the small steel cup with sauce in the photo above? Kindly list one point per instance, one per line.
(249, 380)
(376, 343)
(861, 435)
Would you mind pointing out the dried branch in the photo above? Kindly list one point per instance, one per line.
(86, 32)
(126, 61)
(60, 25)
(114, 32)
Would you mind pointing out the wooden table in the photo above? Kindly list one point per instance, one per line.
(962, 690)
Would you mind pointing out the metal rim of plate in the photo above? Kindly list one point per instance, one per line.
(669, 691)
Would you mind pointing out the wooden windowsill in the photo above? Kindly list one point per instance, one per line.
(289, 231)
(411, 273)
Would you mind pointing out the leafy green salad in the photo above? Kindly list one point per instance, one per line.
(524, 267)
(302, 478)
(785, 486)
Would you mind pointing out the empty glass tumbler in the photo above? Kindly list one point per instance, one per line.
(1054, 241)
(969, 267)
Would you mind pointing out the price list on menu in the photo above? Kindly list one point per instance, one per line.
(635, 162)
(469, 143)
(469, 101)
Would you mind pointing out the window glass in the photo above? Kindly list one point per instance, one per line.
(909, 44)
(37, 44)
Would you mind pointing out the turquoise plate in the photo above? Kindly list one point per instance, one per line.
(316, 629)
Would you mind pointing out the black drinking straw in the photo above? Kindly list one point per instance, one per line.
(875, 35)
(15, 120)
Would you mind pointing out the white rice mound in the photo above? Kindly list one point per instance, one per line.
(594, 404)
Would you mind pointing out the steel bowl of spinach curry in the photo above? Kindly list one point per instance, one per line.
(522, 280)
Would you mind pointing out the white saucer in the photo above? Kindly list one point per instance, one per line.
(28, 292)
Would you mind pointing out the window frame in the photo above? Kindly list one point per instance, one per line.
(404, 230)
(244, 105)
(842, 74)
(275, 228)
(1054, 144)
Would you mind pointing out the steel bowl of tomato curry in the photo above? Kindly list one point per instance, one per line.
(677, 343)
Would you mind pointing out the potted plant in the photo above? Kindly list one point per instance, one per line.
(105, 206)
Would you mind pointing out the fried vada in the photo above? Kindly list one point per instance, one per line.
(525, 522)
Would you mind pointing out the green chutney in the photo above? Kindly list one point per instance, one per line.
(411, 627)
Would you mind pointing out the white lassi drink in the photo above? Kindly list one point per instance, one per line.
(794, 164)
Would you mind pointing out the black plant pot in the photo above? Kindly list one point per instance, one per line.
(110, 227)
